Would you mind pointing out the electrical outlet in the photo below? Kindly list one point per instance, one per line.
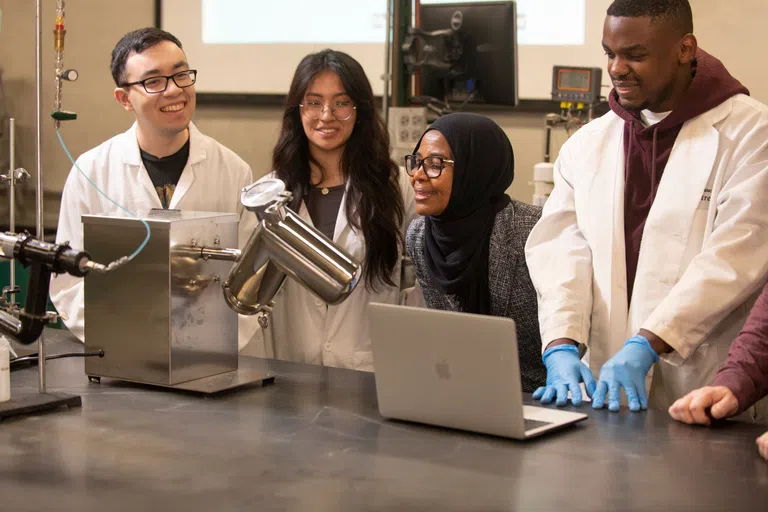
(406, 125)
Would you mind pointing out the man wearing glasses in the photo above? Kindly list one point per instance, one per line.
(162, 161)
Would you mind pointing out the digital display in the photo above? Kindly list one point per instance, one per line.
(573, 80)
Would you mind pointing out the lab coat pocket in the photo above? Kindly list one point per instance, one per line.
(671, 381)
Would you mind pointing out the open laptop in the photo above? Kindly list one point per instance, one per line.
(455, 370)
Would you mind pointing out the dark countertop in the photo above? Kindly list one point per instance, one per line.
(314, 441)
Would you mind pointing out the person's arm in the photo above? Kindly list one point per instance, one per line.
(560, 263)
(733, 262)
(68, 292)
(740, 382)
(745, 372)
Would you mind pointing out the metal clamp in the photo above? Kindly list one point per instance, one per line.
(9, 291)
(19, 175)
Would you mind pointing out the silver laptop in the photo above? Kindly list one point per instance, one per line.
(454, 370)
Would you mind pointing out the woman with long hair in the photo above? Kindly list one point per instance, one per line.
(333, 155)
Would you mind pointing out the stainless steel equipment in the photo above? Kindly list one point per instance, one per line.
(284, 244)
(159, 320)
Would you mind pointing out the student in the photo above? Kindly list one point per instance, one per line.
(740, 382)
(333, 155)
(652, 241)
(468, 249)
(162, 161)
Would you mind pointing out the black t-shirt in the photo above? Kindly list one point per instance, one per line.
(165, 172)
(323, 205)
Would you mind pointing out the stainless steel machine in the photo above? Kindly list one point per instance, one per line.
(161, 319)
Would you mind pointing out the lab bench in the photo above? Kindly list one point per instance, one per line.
(313, 440)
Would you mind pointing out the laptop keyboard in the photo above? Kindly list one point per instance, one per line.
(531, 424)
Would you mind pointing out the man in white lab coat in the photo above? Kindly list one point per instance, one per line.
(651, 247)
(162, 161)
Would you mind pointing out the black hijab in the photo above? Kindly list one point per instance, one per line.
(456, 242)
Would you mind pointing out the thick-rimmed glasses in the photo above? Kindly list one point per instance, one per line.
(433, 165)
(341, 110)
(158, 84)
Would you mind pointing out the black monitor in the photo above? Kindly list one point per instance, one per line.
(467, 52)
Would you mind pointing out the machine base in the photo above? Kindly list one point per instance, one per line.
(31, 402)
(250, 371)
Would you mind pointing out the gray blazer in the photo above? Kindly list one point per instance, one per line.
(512, 292)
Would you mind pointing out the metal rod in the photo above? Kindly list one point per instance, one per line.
(206, 253)
(387, 63)
(220, 254)
(9, 324)
(58, 36)
(12, 198)
(39, 158)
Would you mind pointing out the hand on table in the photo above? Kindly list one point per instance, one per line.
(762, 445)
(692, 408)
(564, 373)
(626, 369)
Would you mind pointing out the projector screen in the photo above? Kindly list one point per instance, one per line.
(253, 46)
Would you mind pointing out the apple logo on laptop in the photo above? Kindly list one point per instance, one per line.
(443, 369)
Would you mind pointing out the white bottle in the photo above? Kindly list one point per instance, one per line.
(543, 182)
(5, 371)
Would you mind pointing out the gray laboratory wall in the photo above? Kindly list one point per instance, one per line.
(94, 26)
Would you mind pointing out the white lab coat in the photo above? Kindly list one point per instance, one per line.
(704, 252)
(211, 181)
(303, 328)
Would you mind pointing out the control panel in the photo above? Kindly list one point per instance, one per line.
(574, 84)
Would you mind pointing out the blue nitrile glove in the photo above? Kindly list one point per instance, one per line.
(626, 369)
(564, 372)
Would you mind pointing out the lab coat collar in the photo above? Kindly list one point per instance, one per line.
(341, 219)
(689, 171)
(342, 223)
(132, 154)
(197, 154)
(686, 174)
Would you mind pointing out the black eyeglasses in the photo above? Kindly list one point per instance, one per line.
(433, 165)
(158, 84)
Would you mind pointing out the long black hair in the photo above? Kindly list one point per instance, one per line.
(374, 203)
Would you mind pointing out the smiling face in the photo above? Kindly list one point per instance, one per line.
(648, 61)
(432, 194)
(327, 134)
(166, 114)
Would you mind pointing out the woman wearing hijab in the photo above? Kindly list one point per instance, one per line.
(468, 248)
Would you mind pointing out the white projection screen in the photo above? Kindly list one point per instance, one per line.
(253, 46)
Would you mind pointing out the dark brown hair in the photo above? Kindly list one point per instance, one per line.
(374, 204)
(136, 42)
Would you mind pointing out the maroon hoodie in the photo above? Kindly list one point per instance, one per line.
(745, 372)
(647, 149)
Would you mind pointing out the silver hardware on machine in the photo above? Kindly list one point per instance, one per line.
(283, 244)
